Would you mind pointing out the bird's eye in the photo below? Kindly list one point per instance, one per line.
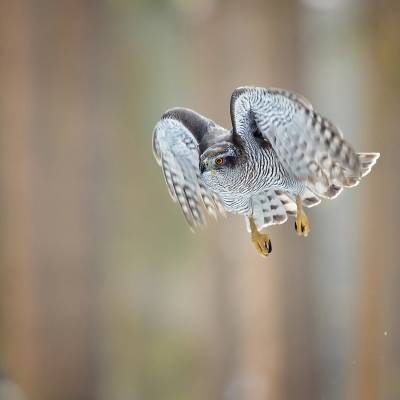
(219, 161)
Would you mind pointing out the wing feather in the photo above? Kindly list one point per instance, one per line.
(176, 139)
(307, 144)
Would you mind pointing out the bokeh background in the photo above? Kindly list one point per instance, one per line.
(104, 291)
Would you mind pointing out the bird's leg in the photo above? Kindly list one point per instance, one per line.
(301, 225)
(260, 240)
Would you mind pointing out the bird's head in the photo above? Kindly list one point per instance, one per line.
(219, 158)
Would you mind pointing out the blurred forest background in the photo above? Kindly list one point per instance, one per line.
(104, 291)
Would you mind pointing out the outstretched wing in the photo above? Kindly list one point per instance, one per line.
(176, 141)
(308, 145)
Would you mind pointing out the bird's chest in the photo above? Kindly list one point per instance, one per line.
(236, 188)
(235, 203)
(255, 173)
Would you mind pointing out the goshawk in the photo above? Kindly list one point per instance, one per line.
(280, 156)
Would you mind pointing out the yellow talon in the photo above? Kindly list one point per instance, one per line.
(260, 240)
(301, 225)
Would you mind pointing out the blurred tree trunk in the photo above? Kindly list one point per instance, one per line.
(50, 119)
(19, 288)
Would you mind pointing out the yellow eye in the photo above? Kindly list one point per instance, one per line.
(219, 161)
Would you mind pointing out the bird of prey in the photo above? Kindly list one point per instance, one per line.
(279, 157)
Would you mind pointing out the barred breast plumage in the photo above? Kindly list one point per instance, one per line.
(258, 170)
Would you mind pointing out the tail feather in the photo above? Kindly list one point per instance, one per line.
(309, 199)
(367, 160)
(343, 178)
(274, 206)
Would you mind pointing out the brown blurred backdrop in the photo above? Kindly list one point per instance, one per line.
(104, 291)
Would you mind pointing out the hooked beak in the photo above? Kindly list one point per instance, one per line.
(205, 166)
